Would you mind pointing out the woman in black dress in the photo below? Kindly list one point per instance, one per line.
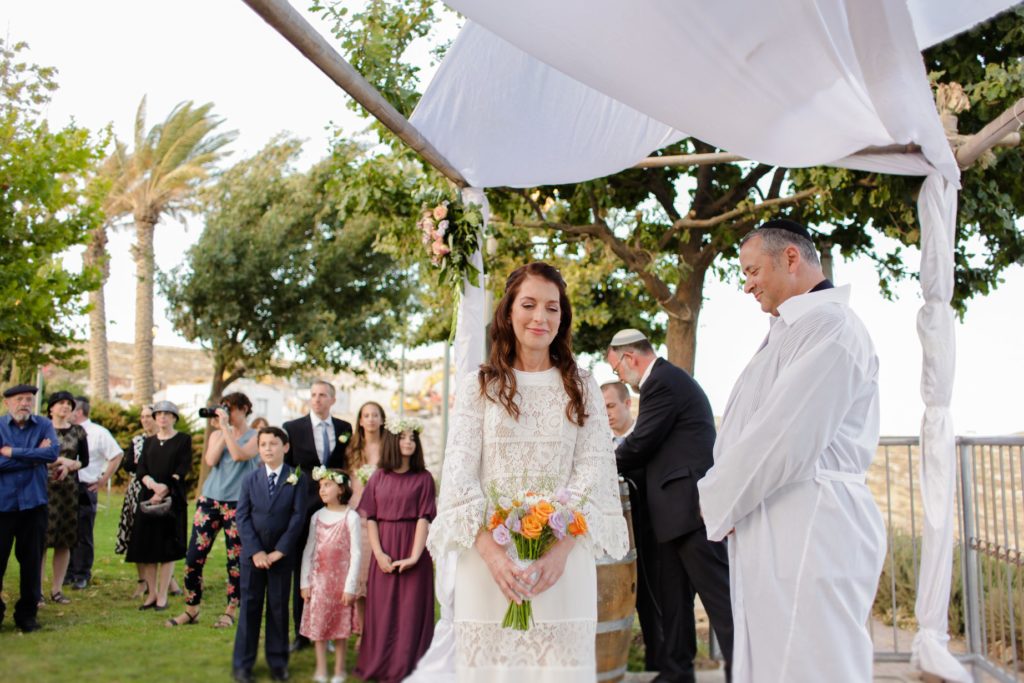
(130, 505)
(62, 485)
(157, 542)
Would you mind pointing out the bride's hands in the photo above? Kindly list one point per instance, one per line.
(503, 570)
(545, 572)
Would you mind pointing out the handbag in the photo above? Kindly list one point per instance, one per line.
(161, 509)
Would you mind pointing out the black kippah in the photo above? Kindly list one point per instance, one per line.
(787, 225)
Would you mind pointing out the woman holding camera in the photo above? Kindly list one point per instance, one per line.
(158, 539)
(230, 453)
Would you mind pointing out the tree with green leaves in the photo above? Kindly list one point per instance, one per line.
(158, 178)
(46, 208)
(664, 229)
(281, 279)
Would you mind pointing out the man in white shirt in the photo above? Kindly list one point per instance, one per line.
(806, 540)
(104, 459)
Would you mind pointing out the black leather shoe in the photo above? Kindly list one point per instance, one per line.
(300, 643)
(279, 674)
(29, 626)
(80, 584)
(242, 676)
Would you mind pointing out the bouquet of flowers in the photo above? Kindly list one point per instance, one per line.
(528, 524)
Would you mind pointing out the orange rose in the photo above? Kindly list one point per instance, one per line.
(532, 526)
(544, 509)
(578, 525)
(495, 522)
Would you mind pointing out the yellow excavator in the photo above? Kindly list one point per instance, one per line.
(427, 401)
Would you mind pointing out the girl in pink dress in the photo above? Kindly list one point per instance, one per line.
(330, 573)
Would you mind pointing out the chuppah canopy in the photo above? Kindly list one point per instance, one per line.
(535, 93)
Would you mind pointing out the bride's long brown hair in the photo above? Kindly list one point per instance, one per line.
(497, 378)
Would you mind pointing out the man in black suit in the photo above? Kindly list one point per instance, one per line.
(271, 510)
(672, 443)
(316, 439)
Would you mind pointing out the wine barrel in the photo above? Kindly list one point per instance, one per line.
(616, 603)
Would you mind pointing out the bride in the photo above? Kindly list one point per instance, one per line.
(530, 419)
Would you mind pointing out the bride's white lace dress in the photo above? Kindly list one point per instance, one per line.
(486, 446)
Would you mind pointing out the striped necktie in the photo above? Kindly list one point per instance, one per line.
(272, 483)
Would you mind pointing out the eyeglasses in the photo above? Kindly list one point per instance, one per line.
(622, 357)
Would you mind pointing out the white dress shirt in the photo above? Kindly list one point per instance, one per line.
(318, 438)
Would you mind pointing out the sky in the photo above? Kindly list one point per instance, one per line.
(110, 53)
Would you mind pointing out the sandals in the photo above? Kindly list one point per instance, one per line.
(224, 621)
(190, 620)
(60, 598)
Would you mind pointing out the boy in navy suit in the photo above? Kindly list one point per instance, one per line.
(270, 513)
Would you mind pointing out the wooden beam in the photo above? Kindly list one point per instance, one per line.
(690, 160)
(725, 157)
(991, 135)
(297, 31)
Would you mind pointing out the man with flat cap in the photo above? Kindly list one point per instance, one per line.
(806, 540)
(671, 447)
(28, 443)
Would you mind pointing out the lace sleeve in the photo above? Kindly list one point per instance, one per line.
(595, 479)
(462, 505)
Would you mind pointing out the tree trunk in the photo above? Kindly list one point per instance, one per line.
(142, 366)
(681, 338)
(99, 366)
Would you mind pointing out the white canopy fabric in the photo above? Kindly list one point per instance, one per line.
(534, 93)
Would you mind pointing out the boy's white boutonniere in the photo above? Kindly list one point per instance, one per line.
(293, 478)
(345, 437)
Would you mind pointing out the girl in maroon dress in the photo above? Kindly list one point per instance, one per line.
(399, 504)
(330, 573)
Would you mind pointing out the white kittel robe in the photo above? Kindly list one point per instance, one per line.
(798, 435)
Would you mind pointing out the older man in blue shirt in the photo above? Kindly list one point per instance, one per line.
(27, 444)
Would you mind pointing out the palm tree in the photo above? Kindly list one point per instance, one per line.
(160, 177)
(99, 366)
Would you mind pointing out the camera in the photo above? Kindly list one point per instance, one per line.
(212, 412)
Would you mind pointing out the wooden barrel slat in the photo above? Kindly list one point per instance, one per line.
(616, 604)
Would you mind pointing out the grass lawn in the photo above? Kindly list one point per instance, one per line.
(101, 636)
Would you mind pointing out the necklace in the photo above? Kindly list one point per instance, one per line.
(164, 439)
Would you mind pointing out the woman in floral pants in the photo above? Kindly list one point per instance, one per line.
(230, 454)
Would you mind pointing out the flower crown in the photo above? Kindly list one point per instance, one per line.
(408, 424)
(321, 472)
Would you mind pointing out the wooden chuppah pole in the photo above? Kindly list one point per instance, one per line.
(297, 31)
(992, 135)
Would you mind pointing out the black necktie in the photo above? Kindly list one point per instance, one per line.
(272, 483)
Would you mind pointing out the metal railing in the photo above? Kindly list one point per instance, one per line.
(987, 595)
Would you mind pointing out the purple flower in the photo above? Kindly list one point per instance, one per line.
(513, 523)
(501, 535)
(558, 524)
(562, 496)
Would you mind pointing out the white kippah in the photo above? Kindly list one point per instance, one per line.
(628, 336)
